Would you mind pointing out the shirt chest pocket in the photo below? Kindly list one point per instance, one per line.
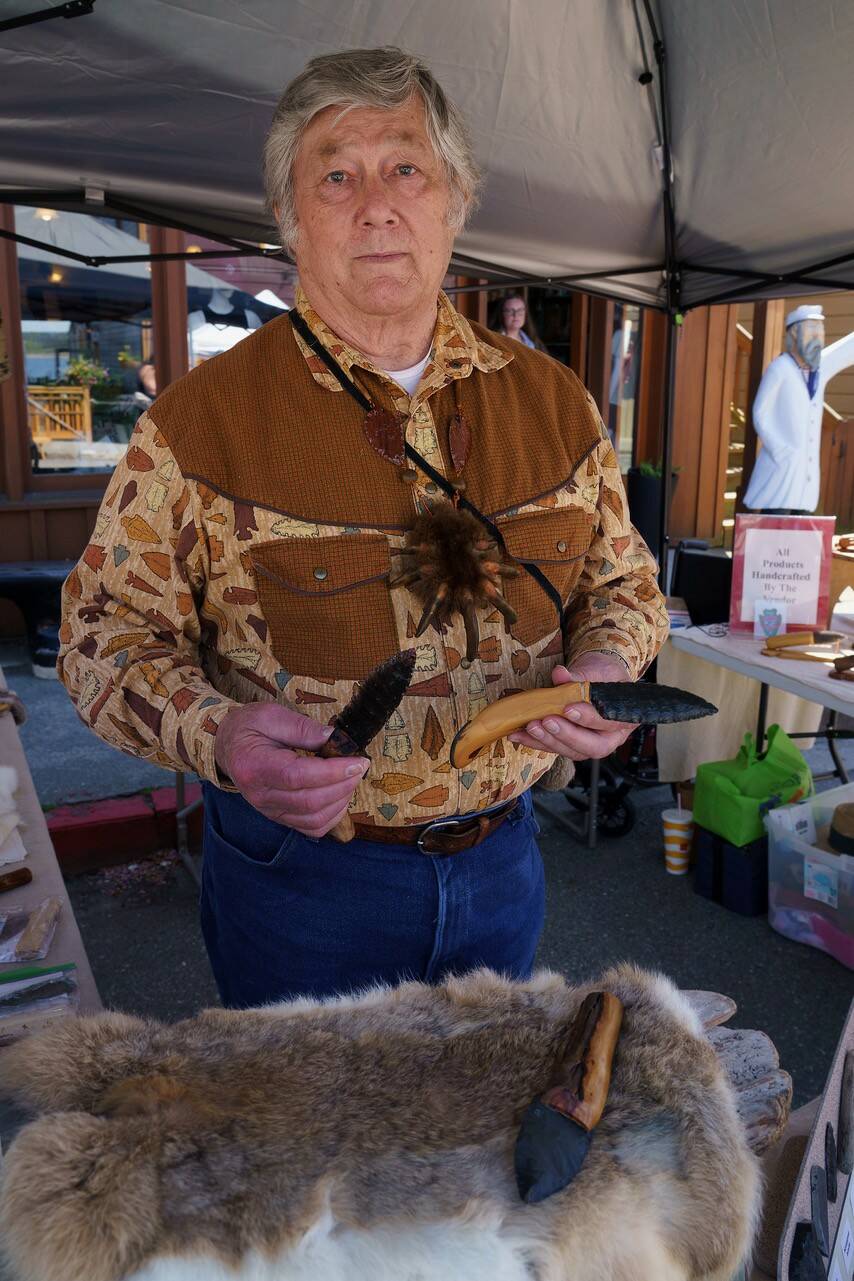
(556, 543)
(326, 602)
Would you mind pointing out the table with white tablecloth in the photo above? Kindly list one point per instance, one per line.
(731, 672)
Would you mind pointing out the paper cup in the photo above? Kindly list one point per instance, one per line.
(677, 830)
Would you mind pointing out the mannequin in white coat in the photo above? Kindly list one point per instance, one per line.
(787, 415)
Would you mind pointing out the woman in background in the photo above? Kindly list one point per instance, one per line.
(509, 318)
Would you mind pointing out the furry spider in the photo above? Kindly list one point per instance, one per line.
(452, 566)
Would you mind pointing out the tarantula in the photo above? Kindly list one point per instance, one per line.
(452, 565)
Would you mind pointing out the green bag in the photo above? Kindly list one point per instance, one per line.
(731, 797)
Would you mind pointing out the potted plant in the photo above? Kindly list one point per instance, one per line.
(82, 372)
(643, 489)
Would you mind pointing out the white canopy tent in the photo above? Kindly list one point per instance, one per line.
(164, 107)
(666, 152)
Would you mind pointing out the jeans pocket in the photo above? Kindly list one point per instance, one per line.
(524, 814)
(218, 846)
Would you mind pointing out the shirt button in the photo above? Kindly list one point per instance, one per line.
(561, 546)
(465, 663)
(321, 573)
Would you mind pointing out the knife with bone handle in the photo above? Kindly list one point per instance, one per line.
(635, 702)
(555, 1133)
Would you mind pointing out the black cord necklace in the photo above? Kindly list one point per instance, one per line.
(389, 429)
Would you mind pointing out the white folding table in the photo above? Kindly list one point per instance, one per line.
(810, 681)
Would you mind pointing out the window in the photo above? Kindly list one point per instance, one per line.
(623, 383)
(228, 297)
(87, 338)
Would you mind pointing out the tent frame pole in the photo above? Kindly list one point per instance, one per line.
(71, 9)
(673, 289)
(667, 448)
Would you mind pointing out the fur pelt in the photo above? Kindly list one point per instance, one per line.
(453, 567)
(371, 1138)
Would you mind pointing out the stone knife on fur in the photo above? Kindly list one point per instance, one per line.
(556, 1130)
(637, 702)
(374, 701)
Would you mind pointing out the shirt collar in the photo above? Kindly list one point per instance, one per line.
(456, 350)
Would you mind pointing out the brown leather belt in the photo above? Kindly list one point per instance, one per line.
(443, 835)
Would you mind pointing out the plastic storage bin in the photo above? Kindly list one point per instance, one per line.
(810, 891)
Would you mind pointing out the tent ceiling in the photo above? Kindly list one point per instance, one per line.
(170, 114)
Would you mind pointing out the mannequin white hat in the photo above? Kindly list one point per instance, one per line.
(806, 312)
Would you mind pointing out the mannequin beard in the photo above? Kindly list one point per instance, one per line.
(808, 349)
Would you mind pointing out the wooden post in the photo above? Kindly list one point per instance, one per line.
(649, 405)
(14, 451)
(768, 320)
(600, 333)
(472, 305)
(579, 325)
(705, 372)
(169, 307)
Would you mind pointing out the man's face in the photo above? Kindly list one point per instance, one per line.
(372, 202)
(809, 340)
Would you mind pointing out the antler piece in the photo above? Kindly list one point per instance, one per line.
(711, 1008)
(763, 1090)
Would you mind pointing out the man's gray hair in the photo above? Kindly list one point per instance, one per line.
(366, 78)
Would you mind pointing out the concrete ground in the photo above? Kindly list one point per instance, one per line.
(141, 932)
(67, 762)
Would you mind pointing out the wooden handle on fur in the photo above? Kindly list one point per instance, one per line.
(584, 1074)
(511, 713)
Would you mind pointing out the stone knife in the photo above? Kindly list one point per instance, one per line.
(374, 701)
(818, 1209)
(556, 1130)
(638, 702)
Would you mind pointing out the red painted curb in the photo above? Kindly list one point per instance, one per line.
(95, 834)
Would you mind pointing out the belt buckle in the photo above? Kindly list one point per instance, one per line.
(437, 823)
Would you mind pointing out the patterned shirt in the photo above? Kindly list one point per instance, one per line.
(244, 547)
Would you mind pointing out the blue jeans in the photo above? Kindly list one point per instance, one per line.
(284, 915)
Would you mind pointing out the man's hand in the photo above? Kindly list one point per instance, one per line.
(254, 747)
(581, 733)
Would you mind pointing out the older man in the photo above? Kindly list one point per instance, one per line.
(239, 578)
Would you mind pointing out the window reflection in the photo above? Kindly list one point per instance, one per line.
(622, 390)
(87, 333)
(88, 340)
(239, 295)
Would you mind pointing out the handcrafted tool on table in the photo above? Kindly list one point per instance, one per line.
(843, 668)
(808, 647)
(634, 702)
(364, 716)
(556, 1130)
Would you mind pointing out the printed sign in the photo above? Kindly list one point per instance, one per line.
(780, 573)
(821, 882)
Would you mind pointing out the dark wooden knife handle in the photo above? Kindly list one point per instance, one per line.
(340, 744)
(11, 880)
(580, 1086)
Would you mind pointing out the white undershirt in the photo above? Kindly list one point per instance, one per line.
(409, 378)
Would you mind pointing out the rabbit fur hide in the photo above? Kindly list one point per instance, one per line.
(371, 1137)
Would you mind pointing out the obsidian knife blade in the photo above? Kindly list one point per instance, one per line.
(370, 707)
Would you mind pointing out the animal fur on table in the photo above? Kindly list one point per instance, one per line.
(372, 1138)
